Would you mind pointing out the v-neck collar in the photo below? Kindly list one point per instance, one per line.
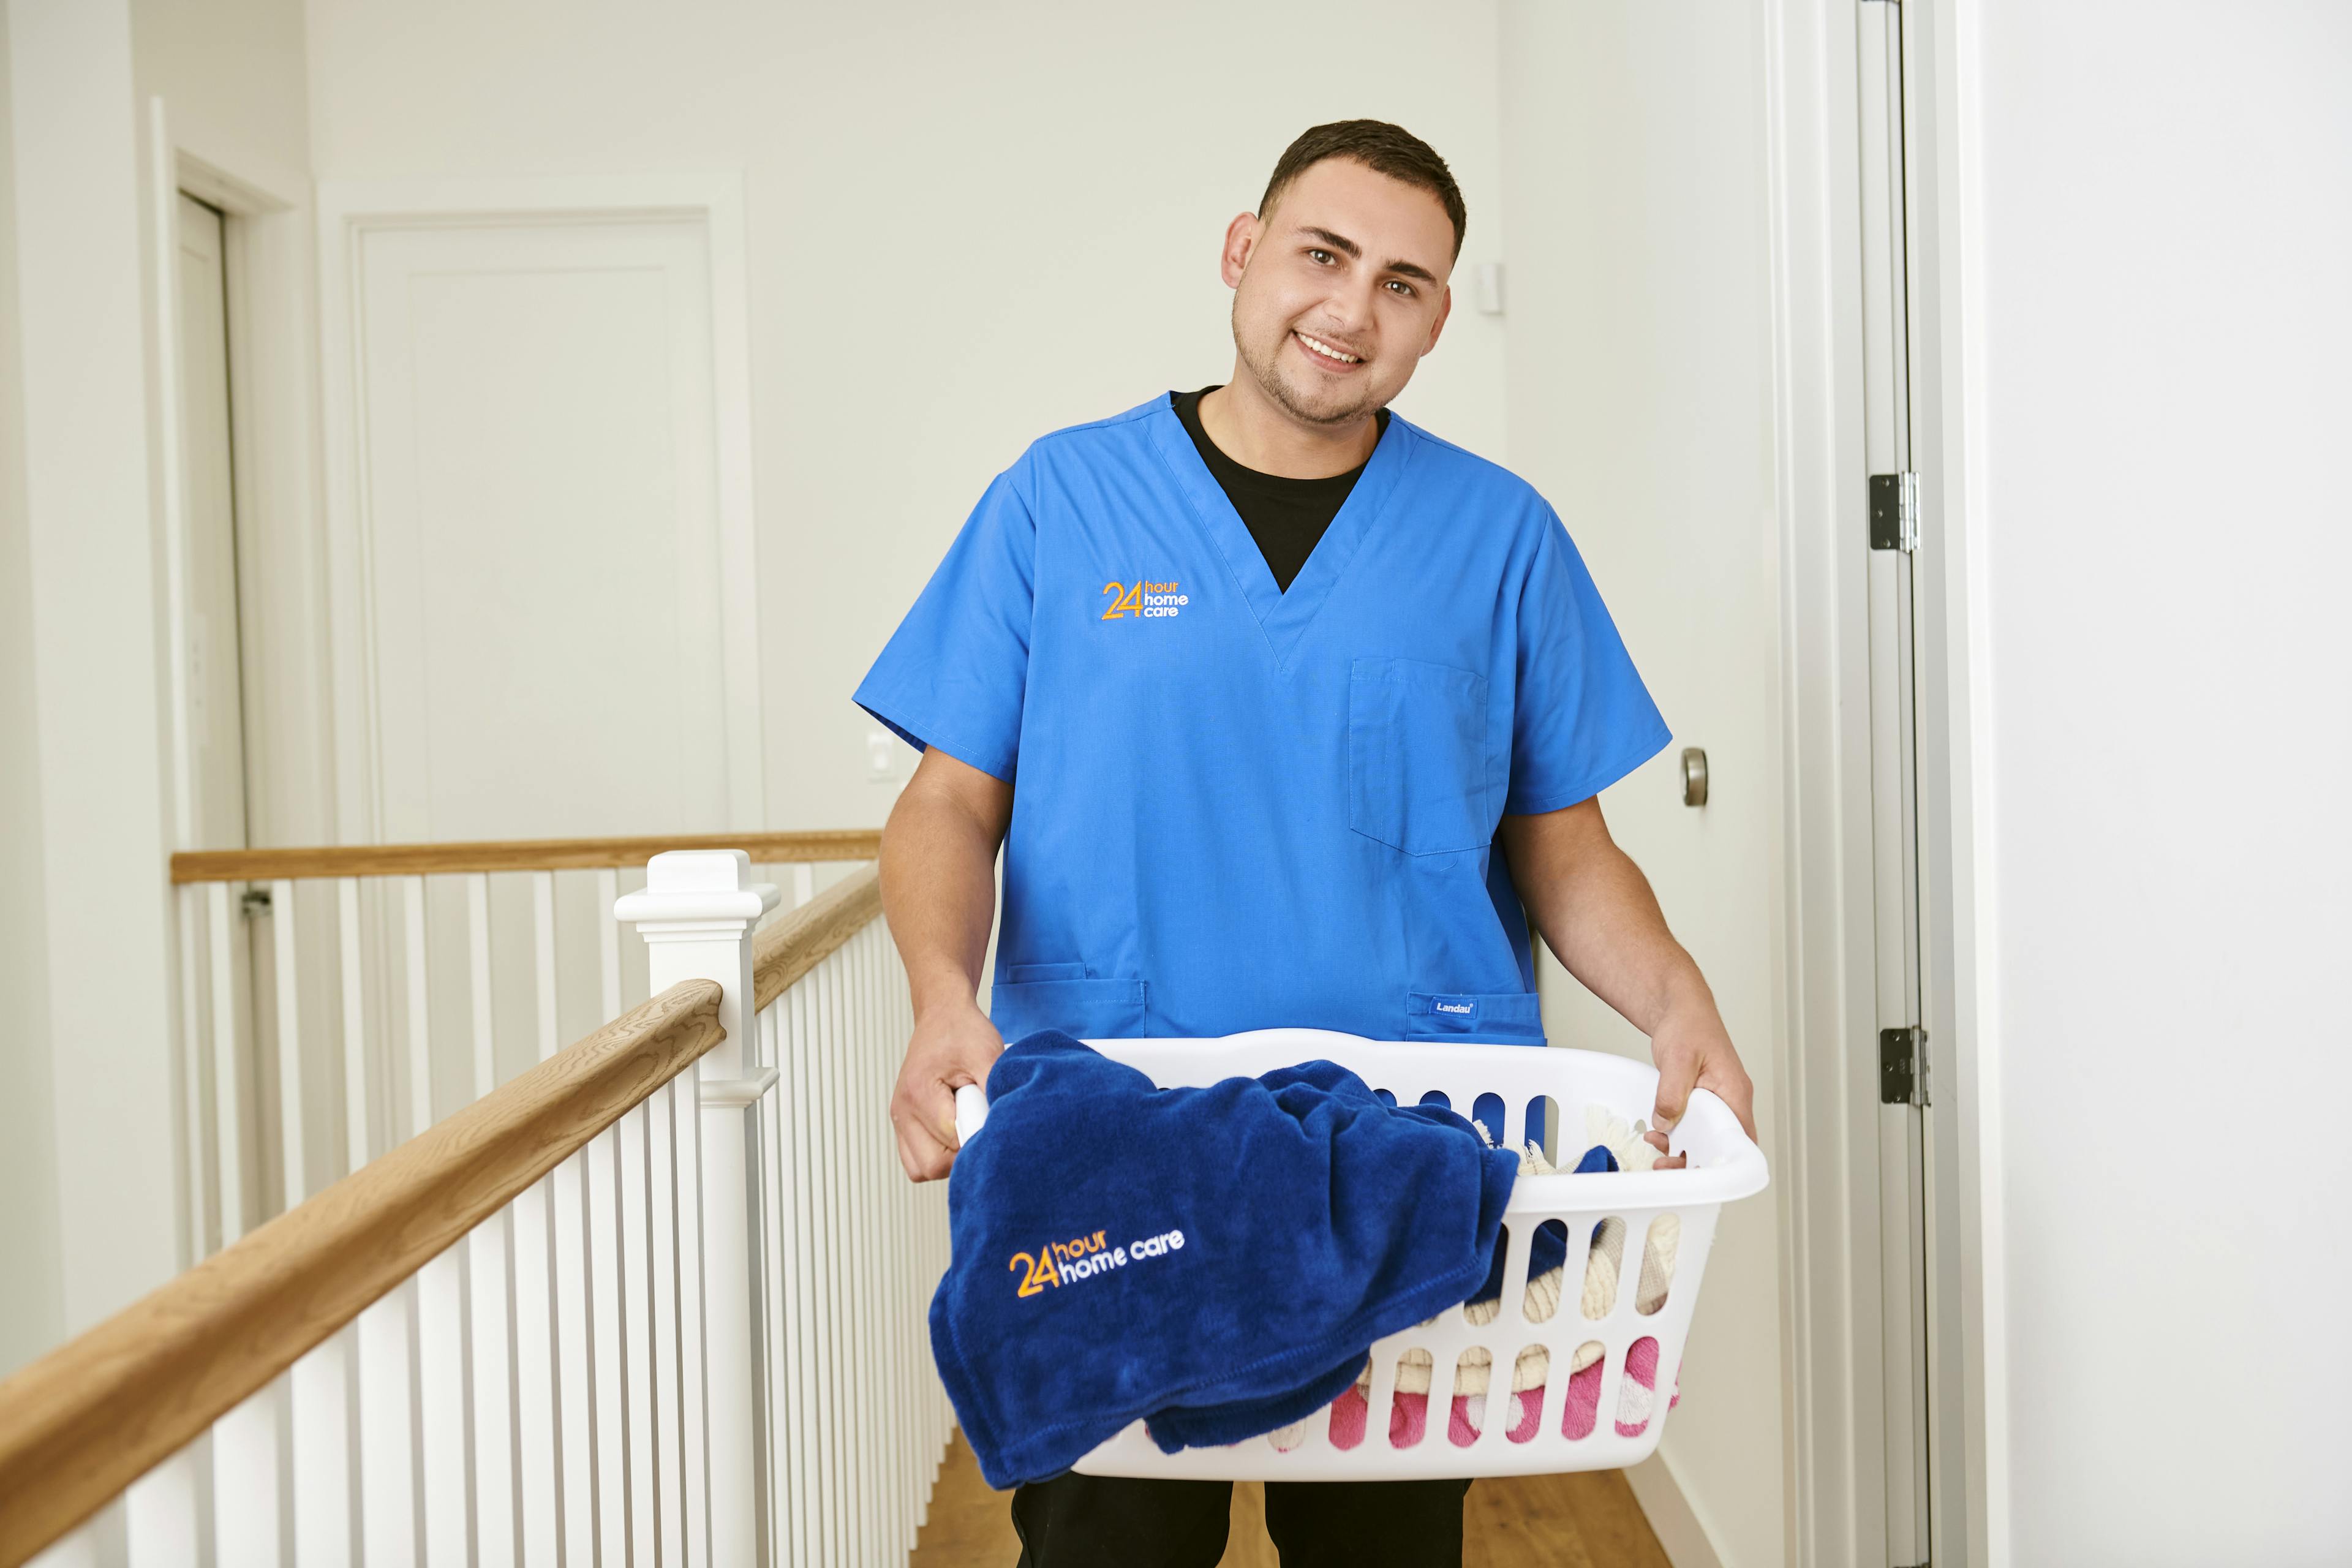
(1283, 617)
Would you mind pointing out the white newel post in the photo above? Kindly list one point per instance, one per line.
(697, 913)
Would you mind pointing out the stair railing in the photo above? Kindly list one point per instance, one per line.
(658, 1298)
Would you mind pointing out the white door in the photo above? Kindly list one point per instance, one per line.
(544, 633)
(216, 670)
(538, 451)
(1640, 405)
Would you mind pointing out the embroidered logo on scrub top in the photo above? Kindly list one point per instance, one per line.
(1461, 1009)
(1059, 1263)
(1145, 600)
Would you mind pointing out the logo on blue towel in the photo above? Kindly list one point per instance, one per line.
(1059, 1263)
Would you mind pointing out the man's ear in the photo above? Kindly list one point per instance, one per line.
(1241, 242)
(1444, 308)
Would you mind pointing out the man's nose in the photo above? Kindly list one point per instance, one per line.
(1349, 307)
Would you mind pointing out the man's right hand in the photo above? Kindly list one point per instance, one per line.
(950, 1047)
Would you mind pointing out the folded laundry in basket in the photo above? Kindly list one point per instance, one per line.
(1216, 1258)
(1619, 1146)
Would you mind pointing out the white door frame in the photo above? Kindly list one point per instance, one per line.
(348, 209)
(1829, 1093)
(266, 239)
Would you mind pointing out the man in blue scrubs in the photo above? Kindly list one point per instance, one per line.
(1284, 711)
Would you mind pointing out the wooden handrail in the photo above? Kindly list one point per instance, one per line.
(82, 1422)
(514, 854)
(799, 942)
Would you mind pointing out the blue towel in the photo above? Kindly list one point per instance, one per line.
(1217, 1259)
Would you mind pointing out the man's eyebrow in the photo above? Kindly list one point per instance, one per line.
(1349, 248)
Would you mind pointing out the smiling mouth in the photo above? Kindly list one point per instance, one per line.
(1327, 353)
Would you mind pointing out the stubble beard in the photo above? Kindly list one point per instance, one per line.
(1264, 367)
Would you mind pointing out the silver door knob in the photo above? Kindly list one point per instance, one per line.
(1694, 776)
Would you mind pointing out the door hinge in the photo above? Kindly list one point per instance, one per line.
(254, 902)
(1903, 1066)
(1894, 511)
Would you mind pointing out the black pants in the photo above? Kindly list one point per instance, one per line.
(1109, 1522)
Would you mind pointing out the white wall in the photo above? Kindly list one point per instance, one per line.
(88, 1112)
(967, 225)
(95, 743)
(232, 74)
(2160, 525)
(1640, 403)
(32, 1313)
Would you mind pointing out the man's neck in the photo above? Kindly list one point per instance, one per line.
(1257, 433)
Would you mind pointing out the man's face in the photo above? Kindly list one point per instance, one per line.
(1349, 263)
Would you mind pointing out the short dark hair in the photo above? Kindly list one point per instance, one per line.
(1384, 149)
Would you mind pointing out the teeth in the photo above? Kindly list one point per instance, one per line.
(1326, 350)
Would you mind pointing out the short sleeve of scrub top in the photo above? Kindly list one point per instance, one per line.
(953, 674)
(1582, 719)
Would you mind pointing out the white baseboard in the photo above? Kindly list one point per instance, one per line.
(1672, 1519)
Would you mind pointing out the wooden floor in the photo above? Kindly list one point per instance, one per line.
(1585, 1520)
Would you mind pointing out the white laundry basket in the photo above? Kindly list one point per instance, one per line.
(1724, 1166)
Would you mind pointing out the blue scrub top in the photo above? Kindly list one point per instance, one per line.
(1235, 808)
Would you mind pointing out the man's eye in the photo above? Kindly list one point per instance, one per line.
(1320, 255)
(1401, 286)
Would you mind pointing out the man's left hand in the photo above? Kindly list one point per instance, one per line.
(1693, 1049)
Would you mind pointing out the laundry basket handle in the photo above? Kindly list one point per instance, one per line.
(971, 1110)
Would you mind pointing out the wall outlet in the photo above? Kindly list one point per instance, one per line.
(881, 756)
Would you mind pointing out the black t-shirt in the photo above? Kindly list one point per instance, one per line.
(1285, 516)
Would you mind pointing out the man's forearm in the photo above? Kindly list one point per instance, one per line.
(938, 892)
(1596, 911)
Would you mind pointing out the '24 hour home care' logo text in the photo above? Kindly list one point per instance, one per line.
(1146, 600)
(1059, 1263)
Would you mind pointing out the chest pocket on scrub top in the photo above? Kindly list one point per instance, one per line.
(1417, 755)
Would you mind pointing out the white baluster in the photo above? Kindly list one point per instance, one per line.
(777, 1232)
(290, 1046)
(477, 953)
(875, 1248)
(799, 1278)
(420, 1018)
(669, 1425)
(391, 1506)
(227, 1110)
(378, 1345)
(697, 913)
(609, 1343)
(867, 1377)
(83, 1546)
(355, 1060)
(318, 1452)
(541, 1317)
(831, 1504)
(441, 1403)
(324, 1522)
(849, 1301)
(246, 1499)
(491, 1272)
(686, 1104)
(608, 932)
(244, 1441)
(636, 1320)
(191, 1077)
(162, 1526)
